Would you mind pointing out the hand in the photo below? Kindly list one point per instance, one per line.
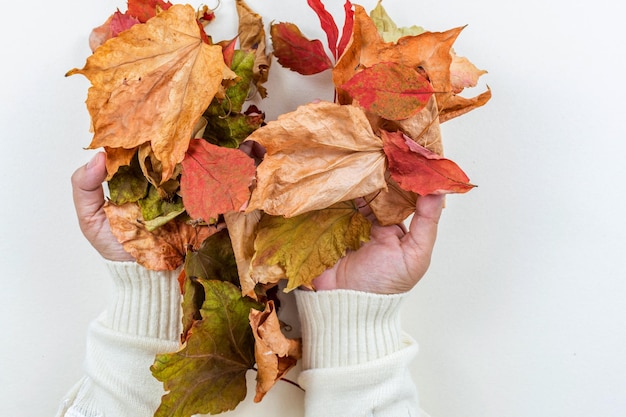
(393, 260)
(89, 202)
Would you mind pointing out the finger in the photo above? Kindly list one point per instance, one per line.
(423, 228)
(87, 190)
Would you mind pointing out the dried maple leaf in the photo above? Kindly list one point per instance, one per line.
(419, 170)
(298, 53)
(275, 354)
(215, 180)
(151, 84)
(390, 90)
(160, 249)
(308, 244)
(430, 51)
(318, 155)
(208, 374)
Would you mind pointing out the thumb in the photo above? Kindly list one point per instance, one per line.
(89, 195)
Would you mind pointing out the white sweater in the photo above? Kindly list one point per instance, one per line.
(355, 355)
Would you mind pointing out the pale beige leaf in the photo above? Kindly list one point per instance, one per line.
(318, 155)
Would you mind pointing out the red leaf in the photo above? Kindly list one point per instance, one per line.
(348, 26)
(215, 180)
(146, 9)
(328, 24)
(421, 171)
(390, 90)
(120, 22)
(294, 51)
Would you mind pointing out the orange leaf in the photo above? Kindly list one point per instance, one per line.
(215, 180)
(275, 354)
(162, 249)
(419, 170)
(390, 90)
(151, 84)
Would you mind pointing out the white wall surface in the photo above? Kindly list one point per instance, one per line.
(522, 312)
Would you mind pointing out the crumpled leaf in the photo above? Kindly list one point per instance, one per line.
(215, 180)
(393, 205)
(298, 53)
(275, 354)
(161, 249)
(252, 38)
(318, 155)
(308, 244)
(387, 28)
(390, 90)
(208, 374)
(463, 74)
(128, 185)
(151, 84)
(417, 169)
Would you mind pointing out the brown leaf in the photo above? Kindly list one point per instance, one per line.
(252, 38)
(242, 228)
(318, 155)
(274, 353)
(151, 84)
(393, 205)
(161, 249)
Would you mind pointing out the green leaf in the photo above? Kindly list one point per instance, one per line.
(208, 374)
(128, 185)
(215, 260)
(154, 206)
(308, 244)
(387, 28)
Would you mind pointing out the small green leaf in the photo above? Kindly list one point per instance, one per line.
(128, 185)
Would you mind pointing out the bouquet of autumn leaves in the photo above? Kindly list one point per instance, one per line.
(168, 105)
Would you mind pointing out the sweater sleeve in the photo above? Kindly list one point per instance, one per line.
(142, 319)
(356, 357)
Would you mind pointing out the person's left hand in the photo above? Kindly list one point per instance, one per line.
(89, 203)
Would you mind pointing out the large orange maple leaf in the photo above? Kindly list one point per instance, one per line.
(151, 84)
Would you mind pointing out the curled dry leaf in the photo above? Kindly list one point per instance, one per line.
(151, 84)
(275, 354)
(162, 249)
(318, 155)
(421, 171)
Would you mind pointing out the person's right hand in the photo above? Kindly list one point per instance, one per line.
(89, 204)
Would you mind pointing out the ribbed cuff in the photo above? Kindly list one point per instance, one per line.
(145, 303)
(344, 327)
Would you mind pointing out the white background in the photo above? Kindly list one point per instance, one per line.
(522, 313)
